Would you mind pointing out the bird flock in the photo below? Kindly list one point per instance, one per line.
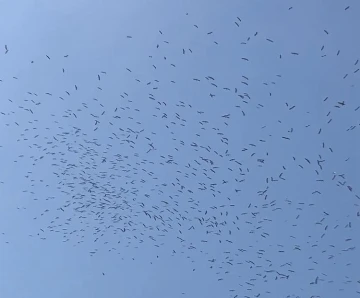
(237, 166)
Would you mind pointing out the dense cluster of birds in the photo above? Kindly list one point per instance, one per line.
(250, 180)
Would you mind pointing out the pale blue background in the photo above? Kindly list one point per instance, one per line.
(94, 35)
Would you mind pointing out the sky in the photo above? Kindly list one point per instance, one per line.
(179, 149)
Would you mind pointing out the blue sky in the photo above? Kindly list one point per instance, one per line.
(168, 120)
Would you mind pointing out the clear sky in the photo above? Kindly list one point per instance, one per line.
(179, 149)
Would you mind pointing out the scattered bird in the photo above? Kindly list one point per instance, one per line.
(226, 168)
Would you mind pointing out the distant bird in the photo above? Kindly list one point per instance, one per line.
(245, 184)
